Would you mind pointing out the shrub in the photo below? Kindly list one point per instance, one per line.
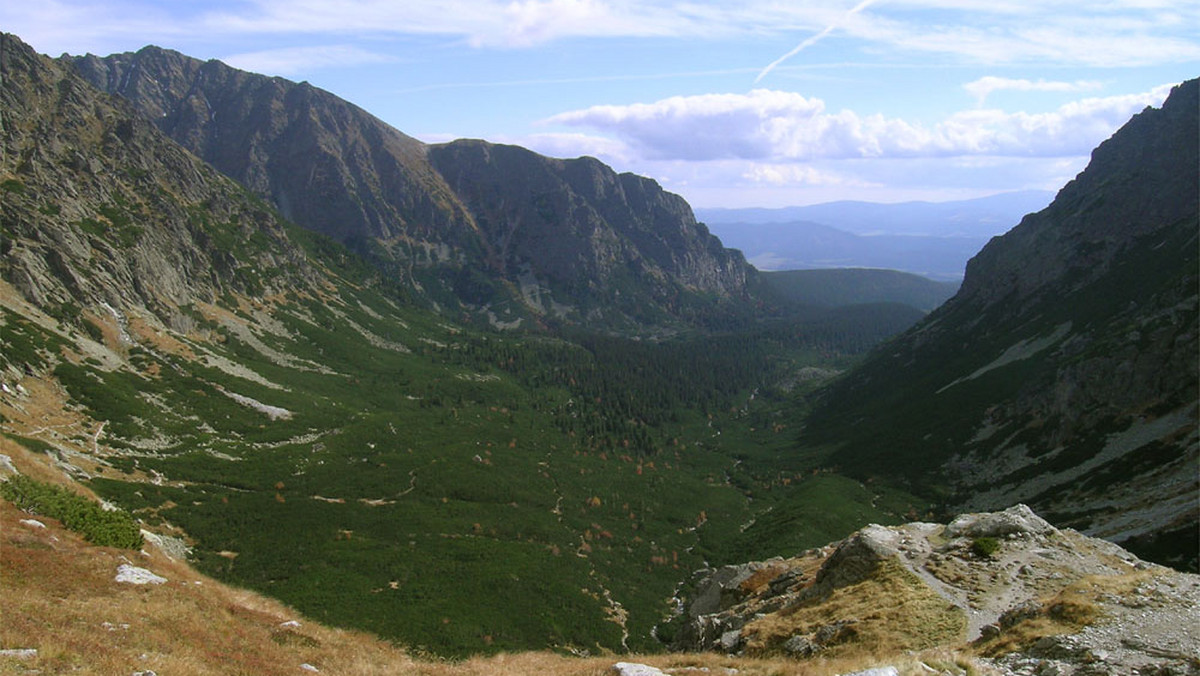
(985, 547)
(95, 524)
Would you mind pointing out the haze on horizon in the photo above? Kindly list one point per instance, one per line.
(748, 104)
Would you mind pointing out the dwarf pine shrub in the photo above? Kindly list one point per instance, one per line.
(96, 524)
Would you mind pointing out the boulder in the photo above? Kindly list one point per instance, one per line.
(857, 558)
(1014, 520)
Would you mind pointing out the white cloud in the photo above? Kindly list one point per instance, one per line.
(294, 60)
(984, 86)
(572, 145)
(778, 126)
(800, 174)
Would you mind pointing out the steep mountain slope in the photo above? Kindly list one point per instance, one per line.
(1064, 372)
(101, 208)
(466, 222)
(593, 237)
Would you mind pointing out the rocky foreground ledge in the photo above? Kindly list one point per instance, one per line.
(1027, 597)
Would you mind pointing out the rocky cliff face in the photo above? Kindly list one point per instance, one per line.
(100, 207)
(591, 235)
(1064, 373)
(468, 222)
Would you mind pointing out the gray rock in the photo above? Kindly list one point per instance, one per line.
(877, 671)
(857, 558)
(635, 669)
(134, 575)
(1015, 519)
(801, 646)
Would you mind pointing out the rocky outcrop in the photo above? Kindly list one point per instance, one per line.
(1064, 373)
(101, 210)
(1044, 598)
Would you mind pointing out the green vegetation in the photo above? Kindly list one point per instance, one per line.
(97, 525)
(376, 467)
(985, 547)
(853, 286)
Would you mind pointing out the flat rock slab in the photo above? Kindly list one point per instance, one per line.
(134, 575)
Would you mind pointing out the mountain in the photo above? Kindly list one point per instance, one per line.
(841, 286)
(465, 223)
(1064, 372)
(295, 417)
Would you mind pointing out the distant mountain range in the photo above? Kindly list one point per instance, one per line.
(934, 239)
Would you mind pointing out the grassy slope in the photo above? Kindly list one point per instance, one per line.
(61, 600)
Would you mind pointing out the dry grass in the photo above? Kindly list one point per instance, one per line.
(1066, 612)
(890, 613)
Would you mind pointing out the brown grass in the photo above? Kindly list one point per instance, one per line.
(892, 612)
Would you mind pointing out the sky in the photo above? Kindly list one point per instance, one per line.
(731, 104)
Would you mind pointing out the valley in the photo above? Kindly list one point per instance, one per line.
(473, 401)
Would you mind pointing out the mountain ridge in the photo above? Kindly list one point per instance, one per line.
(416, 210)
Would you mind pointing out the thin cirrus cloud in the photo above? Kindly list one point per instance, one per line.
(775, 125)
(1111, 33)
(985, 86)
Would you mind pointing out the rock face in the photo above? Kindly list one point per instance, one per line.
(1064, 372)
(100, 208)
(1047, 599)
(468, 222)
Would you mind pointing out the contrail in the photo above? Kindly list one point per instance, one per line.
(814, 39)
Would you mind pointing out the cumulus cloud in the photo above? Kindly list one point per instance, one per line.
(984, 86)
(774, 125)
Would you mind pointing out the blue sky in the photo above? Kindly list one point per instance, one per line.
(754, 103)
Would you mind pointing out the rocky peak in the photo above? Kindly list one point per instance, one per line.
(325, 163)
(1138, 183)
(581, 224)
